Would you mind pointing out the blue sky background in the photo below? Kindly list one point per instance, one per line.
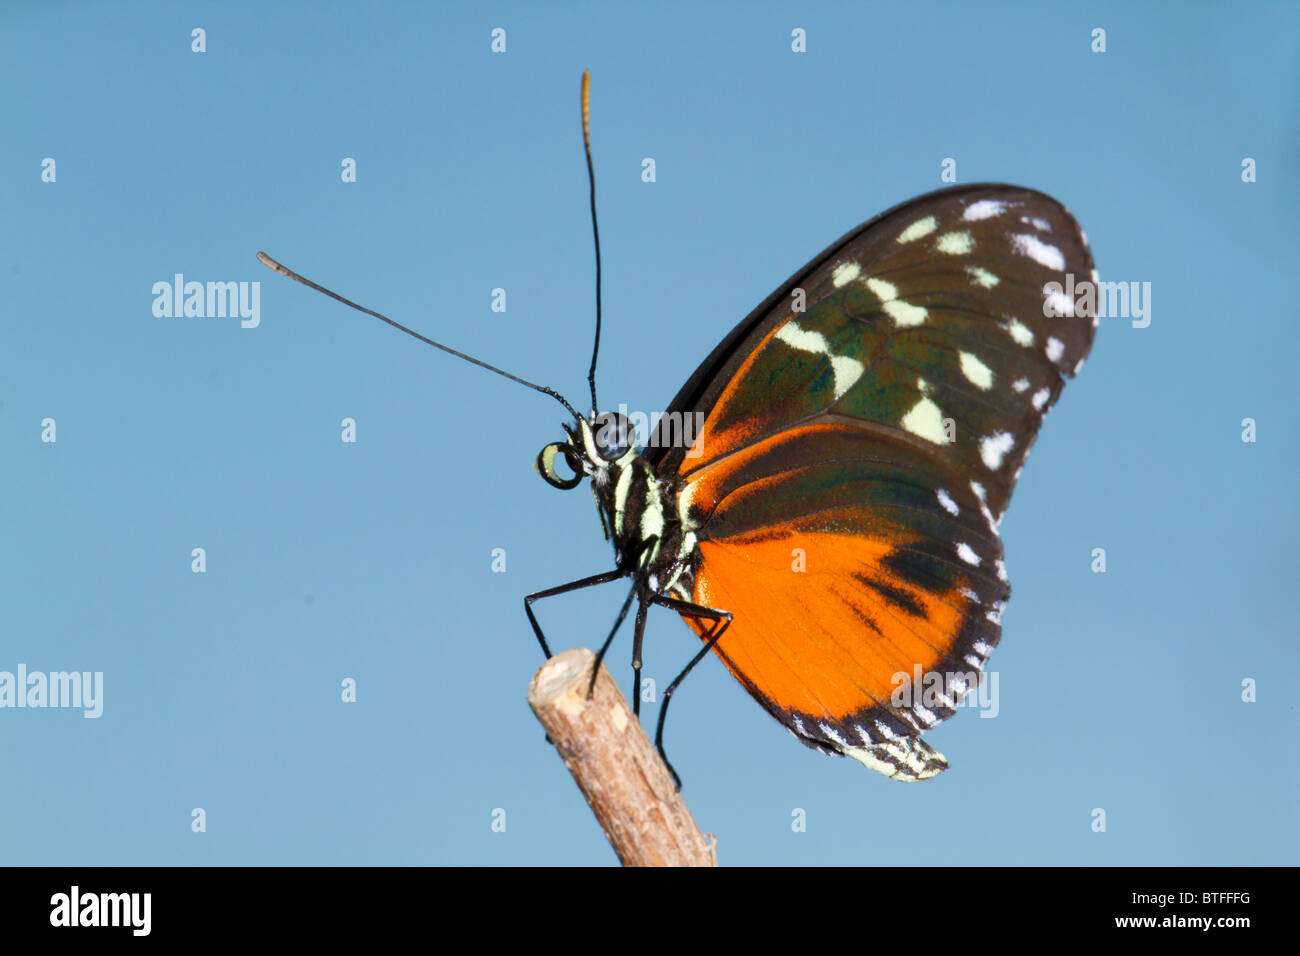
(373, 560)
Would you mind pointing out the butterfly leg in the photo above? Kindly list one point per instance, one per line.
(647, 546)
(600, 656)
(639, 633)
(564, 589)
(721, 621)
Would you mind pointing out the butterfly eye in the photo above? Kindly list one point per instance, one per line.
(613, 434)
(546, 466)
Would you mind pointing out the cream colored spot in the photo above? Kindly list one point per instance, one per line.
(845, 273)
(1020, 333)
(984, 209)
(922, 227)
(994, 448)
(949, 505)
(976, 371)
(982, 277)
(846, 370)
(955, 243)
(1060, 305)
(882, 290)
(926, 421)
(1020, 384)
(905, 314)
(1041, 252)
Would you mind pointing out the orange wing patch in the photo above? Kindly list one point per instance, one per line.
(860, 565)
(822, 642)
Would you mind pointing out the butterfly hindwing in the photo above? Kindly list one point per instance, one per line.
(870, 420)
(843, 572)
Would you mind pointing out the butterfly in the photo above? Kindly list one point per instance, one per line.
(832, 525)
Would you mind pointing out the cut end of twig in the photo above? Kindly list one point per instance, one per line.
(615, 765)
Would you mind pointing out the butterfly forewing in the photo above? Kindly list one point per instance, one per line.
(863, 431)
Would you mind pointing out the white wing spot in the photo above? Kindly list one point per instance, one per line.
(1055, 349)
(967, 553)
(1039, 251)
(845, 273)
(982, 277)
(922, 227)
(1058, 304)
(955, 243)
(830, 732)
(976, 487)
(1077, 365)
(1020, 333)
(1042, 225)
(976, 371)
(949, 505)
(994, 448)
(926, 421)
(904, 313)
(795, 337)
(984, 209)
(1040, 398)
(884, 291)
(1020, 384)
(846, 370)
(1002, 572)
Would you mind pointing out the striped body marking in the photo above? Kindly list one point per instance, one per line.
(648, 523)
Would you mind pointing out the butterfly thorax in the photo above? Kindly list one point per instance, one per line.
(638, 510)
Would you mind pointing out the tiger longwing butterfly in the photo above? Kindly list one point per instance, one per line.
(834, 523)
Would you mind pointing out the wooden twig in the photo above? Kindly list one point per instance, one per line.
(615, 765)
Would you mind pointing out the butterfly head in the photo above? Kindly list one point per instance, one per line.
(607, 441)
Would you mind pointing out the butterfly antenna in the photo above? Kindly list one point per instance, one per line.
(595, 230)
(268, 261)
